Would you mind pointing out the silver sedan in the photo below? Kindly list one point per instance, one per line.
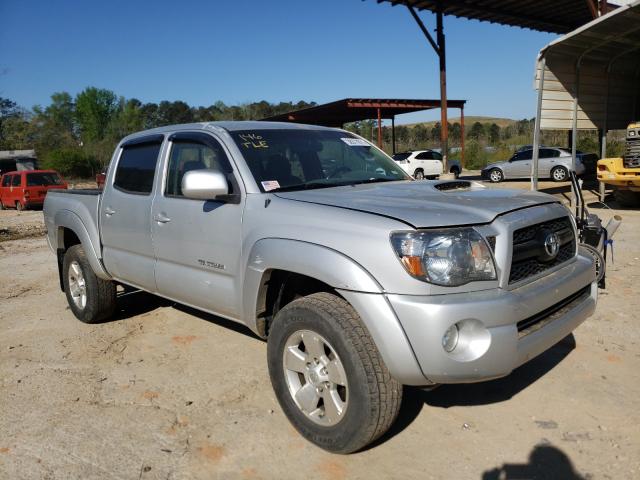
(554, 163)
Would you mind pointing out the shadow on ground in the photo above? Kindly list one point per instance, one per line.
(483, 393)
(132, 302)
(546, 462)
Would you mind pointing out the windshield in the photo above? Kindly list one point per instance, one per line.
(292, 159)
(41, 179)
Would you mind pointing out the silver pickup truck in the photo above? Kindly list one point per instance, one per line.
(360, 278)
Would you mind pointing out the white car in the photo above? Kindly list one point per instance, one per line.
(424, 164)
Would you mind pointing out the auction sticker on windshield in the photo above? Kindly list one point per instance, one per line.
(355, 142)
(270, 185)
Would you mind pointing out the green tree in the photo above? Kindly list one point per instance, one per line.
(494, 133)
(477, 131)
(95, 108)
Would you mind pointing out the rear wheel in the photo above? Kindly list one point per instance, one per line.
(1, 205)
(90, 298)
(455, 171)
(496, 175)
(627, 198)
(559, 174)
(418, 174)
(328, 374)
(19, 206)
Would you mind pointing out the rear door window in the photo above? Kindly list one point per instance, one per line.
(424, 156)
(136, 168)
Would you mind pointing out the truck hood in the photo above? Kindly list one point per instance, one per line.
(423, 204)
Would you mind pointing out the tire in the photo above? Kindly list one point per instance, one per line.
(418, 174)
(559, 174)
(495, 175)
(370, 398)
(456, 172)
(99, 300)
(627, 198)
(1, 205)
(19, 206)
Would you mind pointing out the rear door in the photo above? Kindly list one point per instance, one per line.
(548, 158)
(198, 243)
(125, 213)
(15, 191)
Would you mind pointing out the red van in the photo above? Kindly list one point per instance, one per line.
(28, 188)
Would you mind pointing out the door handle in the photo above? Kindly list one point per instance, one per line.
(108, 211)
(160, 218)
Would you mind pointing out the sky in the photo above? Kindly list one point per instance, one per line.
(250, 50)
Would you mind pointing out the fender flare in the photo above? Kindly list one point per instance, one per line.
(350, 279)
(310, 259)
(68, 219)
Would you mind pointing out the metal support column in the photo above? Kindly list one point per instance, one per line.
(379, 128)
(536, 128)
(461, 138)
(393, 134)
(444, 127)
(439, 48)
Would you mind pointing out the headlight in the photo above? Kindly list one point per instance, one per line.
(449, 257)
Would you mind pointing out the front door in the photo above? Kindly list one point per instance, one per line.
(125, 213)
(520, 165)
(198, 243)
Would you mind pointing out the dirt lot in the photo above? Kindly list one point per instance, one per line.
(164, 392)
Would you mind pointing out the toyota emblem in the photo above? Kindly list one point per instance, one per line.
(552, 245)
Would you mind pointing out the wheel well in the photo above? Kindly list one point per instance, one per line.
(280, 287)
(69, 239)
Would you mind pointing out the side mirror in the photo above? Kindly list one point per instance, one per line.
(204, 184)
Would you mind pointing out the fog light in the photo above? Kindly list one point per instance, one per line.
(450, 338)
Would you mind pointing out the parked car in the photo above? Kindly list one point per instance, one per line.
(28, 188)
(360, 279)
(100, 179)
(425, 164)
(554, 163)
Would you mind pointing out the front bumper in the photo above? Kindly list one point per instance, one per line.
(491, 344)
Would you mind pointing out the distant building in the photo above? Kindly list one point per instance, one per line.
(11, 160)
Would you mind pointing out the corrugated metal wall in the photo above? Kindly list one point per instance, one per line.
(614, 95)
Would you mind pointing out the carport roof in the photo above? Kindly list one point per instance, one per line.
(336, 114)
(557, 16)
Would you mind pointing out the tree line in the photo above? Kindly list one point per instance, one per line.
(76, 135)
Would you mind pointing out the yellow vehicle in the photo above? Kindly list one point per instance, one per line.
(624, 173)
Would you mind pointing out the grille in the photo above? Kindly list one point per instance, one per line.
(540, 319)
(632, 154)
(529, 255)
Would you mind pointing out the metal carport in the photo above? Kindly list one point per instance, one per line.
(336, 114)
(590, 79)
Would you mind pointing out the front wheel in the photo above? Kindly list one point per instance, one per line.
(19, 206)
(456, 172)
(328, 375)
(90, 298)
(496, 175)
(559, 174)
(418, 175)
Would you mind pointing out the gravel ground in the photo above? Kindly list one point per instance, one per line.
(165, 392)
